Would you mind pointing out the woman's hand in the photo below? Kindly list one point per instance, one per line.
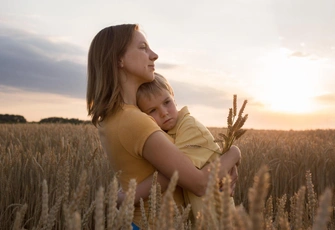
(120, 198)
(233, 173)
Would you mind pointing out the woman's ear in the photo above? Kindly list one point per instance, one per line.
(120, 63)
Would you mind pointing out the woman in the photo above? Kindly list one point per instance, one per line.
(119, 61)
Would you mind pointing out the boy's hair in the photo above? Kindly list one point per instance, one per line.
(154, 87)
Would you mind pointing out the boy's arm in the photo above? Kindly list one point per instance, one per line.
(195, 141)
(143, 188)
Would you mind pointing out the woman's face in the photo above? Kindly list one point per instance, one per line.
(138, 61)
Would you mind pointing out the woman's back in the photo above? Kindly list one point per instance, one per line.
(123, 136)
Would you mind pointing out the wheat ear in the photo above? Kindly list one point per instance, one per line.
(53, 213)
(218, 198)
(99, 210)
(257, 195)
(324, 210)
(280, 210)
(67, 216)
(199, 221)
(129, 201)
(226, 220)
(88, 214)
(293, 203)
(152, 198)
(19, 217)
(76, 221)
(165, 220)
(185, 214)
(158, 198)
(126, 211)
(283, 224)
(45, 205)
(299, 208)
(311, 197)
(242, 220)
(268, 213)
(144, 219)
(112, 203)
(209, 219)
(177, 219)
(79, 193)
(66, 181)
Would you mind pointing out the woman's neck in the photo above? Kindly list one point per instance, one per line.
(129, 90)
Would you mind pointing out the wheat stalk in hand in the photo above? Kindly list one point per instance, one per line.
(235, 122)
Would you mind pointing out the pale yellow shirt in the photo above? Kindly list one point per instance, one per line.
(189, 131)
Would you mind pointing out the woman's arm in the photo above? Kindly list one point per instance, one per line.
(167, 158)
(144, 187)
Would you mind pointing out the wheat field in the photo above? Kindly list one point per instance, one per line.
(56, 176)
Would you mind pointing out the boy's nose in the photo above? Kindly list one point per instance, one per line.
(164, 112)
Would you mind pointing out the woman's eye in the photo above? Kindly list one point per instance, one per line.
(167, 102)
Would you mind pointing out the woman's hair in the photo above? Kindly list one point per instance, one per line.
(154, 87)
(103, 95)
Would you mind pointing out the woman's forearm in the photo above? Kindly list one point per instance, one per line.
(143, 188)
(227, 161)
(167, 159)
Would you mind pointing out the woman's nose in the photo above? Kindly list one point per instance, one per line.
(153, 56)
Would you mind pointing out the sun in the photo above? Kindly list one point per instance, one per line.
(288, 83)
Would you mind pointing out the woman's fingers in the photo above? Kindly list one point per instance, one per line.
(234, 177)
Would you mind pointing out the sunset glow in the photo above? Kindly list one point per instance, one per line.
(289, 82)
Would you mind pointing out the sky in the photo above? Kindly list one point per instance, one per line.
(277, 54)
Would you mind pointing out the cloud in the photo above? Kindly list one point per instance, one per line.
(326, 98)
(191, 94)
(37, 105)
(166, 65)
(299, 54)
(35, 63)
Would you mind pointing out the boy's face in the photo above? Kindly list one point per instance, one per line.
(162, 108)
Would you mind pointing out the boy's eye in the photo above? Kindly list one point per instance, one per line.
(152, 111)
(167, 102)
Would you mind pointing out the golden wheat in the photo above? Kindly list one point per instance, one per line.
(311, 197)
(112, 203)
(324, 210)
(43, 167)
(19, 217)
(257, 196)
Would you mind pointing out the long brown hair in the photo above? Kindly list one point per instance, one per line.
(103, 95)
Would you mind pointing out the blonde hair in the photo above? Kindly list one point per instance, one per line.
(103, 95)
(154, 87)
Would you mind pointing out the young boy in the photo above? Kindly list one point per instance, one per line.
(156, 99)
